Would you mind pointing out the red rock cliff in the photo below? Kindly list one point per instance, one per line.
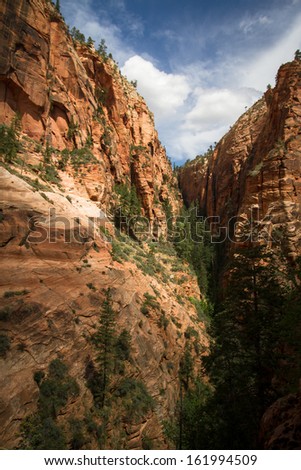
(84, 128)
(66, 93)
(255, 169)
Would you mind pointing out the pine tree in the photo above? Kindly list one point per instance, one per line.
(58, 6)
(90, 42)
(246, 347)
(103, 49)
(298, 54)
(104, 341)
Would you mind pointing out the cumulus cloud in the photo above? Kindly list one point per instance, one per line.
(208, 119)
(215, 108)
(189, 117)
(165, 92)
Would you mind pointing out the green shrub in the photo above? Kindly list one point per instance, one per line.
(91, 286)
(163, 321)
(9, 140)
(82, 157)
(135, 398)
(118, 253)
(4, 345)
(151, 301)
(63, 161)
(204, 309)
(123, 346)
(147, 443)
(50, 174)
(5, 313)
(145, 310)
(190, 332)
(38, 376)
(78, 439)
(40, 433)
(129, 207)
(13, 293)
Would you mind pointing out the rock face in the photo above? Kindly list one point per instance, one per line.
(280, 427)
(68, 96)
(84, 129)
(253, 177)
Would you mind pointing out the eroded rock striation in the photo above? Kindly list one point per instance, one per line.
(81, 130)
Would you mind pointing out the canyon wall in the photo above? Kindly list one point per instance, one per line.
(251, 182)
(78, 129)
(69, 96)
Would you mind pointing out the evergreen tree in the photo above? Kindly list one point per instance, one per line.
(246, 347)
(104, 341)
(77, 35)
(129, 209)
(192, 243)
(102, 49)
(58, 6)
(90, 42)
(9, 139)
(298, 54)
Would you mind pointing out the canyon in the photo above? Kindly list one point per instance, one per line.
(83, 146)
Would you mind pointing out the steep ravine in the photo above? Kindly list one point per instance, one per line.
(77, 143)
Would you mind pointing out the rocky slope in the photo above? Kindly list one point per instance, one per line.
(253, 176)
(83, 129)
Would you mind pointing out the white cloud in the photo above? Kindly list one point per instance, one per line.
(164, 92)
(206, 121)
(189, 117)
(216, 107)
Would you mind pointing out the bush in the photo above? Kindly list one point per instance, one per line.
(13, 293)
(123, 346)
(41, 434)
(118, 253)
(38, 376)
(4, 345)
(57, 369)
(5, 313)
(9, 140)
(163, 321)
(91, 286)
(190, 332)
(145, 310)
(151, 301)
(136, 398)
(78, 439)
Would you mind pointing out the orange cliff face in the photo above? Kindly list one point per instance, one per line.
(67, 95)
(84, 129)
(254, 172)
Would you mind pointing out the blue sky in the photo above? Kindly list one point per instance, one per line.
(198, 63)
